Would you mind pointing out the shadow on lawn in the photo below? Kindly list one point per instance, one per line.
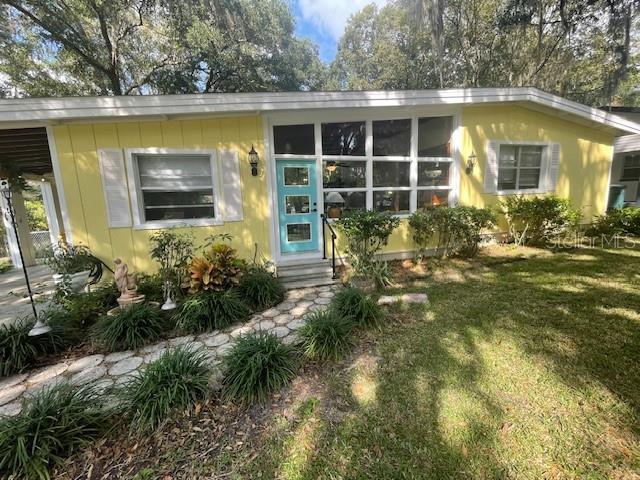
(432, 415)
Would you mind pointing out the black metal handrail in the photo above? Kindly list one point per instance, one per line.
(326, 223)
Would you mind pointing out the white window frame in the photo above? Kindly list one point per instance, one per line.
(630, 156)
(544, 167)
(135, 191)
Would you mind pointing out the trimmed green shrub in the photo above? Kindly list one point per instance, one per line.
(326, 335)
(366, 233)
(151, 286)
(211, 310)
(17, 349)
(52, 424)
(65, 330)
(173, 382)
(86, 308)
(358, 306)
(257, 365)
(260, 288)
(623, 221)
(539, 220)
(129, 328)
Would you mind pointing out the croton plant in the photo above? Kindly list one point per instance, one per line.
(219, 269)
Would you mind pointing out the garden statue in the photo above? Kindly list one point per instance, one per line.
(127, 284)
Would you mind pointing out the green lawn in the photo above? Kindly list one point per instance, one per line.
(518, 368)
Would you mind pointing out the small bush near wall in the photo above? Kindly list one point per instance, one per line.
(357, 306)
(174, 382)
(172, 251)
(86, 308)
(260, 288)
(219, 269)
(206, 311)
(326, 335)
(539, 220)
(367, 232)
(129, 328)
(153, 287)
(257, 365)
(624, 221)
(457, 229)
(52, 424)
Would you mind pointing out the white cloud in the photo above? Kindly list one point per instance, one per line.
(330, 16)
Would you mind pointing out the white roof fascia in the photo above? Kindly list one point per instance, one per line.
(54, 110)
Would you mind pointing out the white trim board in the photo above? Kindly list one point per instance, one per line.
(14, 112)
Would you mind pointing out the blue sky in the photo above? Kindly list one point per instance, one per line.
(323, 21)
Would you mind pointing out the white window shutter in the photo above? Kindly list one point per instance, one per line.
(554, 164)
(114, 186)
(491, 172)
(231, 187)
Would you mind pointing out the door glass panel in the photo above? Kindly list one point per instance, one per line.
(391, 174)
(296, 176)
(433, 174)
(391, 201)
(434, 134)
(346, 138)
(294, 139)
(340, 174)
(298, 232)
(391, 137)
(297, 204)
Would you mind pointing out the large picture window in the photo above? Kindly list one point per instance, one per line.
(519, 167)
(174, 188)
(392, 165)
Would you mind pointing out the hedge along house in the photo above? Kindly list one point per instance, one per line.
(126, 166)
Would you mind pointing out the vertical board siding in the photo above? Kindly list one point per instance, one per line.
(78, 146)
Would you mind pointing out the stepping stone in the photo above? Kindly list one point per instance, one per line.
(266, 325)
(295, 324)
(103, 385)
(11, 409)
(326, 295)
(406, 298)
(117, 356)
(14, 380)
(224, 349)
(282, 319)
(153, 356)
(290, 339)
(125, 366)
(284, 306)
(280, 332)
(217, 340)
(9, 394)
(124, 379)
(153, 348)
(47, 373)
(323, 301)
(181, 340)
(244, 330)
(85, 363)
(272, 312)
(90, 375)
(38, 387)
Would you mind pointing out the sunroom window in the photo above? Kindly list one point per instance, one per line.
(175, 187)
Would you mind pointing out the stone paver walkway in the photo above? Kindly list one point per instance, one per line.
(117, 368)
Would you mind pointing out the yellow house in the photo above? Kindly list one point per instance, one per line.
(123, 167)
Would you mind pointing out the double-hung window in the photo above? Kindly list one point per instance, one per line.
(174, 188)
(520, 167)
(631, 168)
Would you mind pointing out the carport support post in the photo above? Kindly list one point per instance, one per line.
(28, 252)
(52, 210)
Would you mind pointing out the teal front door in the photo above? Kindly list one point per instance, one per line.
(297, 205)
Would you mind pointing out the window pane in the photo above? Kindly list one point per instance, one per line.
(434, 134)
(198, 197)
(298, 232)
(432, 198)
(295, 176)
(391, 137)
(297, 204)
(344, 174)
(631, 169)
(343, 138)
(435, 174)
(391, 201)
(508, 156)
(295, 139)
(178, 213)
(507, 179)
(337, 204)
(530, 156)
(391, 174)
(529, 178)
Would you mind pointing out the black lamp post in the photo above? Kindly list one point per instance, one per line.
(39, 328)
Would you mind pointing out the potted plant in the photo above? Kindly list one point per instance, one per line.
(70, 265)
(173, 252)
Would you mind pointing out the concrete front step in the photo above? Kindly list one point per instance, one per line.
(306, 274)
(298, 271)
(308, 282)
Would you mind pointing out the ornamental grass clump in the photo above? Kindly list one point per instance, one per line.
(326, 335)
(260, 288)
(53, 423)
(17, 349)
(172, 383)
(207, 311)
(356, 305)
(129, 328)
(257, 365)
